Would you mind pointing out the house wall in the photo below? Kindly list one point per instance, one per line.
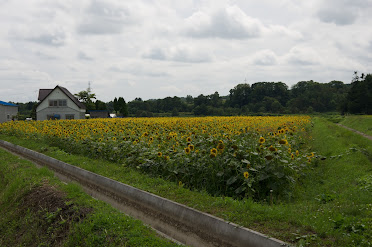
(6, 111)
(43, 110)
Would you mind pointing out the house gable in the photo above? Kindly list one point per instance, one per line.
(59, 103)
(44, 93)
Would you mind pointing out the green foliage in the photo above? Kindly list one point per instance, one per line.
(37, 210)
(344, 220)
(359, 122)
(359, 99)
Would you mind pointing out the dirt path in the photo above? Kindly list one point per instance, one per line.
(356, 131)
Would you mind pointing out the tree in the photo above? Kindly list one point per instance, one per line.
(359, 98)
(116, 106)
(189, 99)
(240, 95)
(100, 105)
(86, 97)
(122, 106)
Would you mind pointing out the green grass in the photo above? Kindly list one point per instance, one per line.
(38, 210)
(332, 207)
(362, 123)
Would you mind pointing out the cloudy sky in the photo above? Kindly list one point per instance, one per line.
(159, 48)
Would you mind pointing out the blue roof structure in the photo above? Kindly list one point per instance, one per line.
(6, 103)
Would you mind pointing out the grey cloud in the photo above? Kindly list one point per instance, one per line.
(156, 54)
(228, 23)
(138, 70)
(57, 39)
(82, 56)
(49, 35)
(45, 56)
(266, 57)
(338, 16)
(180, 53)
(104, 18)
(343, 12)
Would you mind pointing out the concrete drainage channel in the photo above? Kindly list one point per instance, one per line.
(173, 220)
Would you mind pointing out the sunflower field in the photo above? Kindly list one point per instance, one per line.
(230, 156)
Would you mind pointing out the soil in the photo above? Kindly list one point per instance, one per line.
(53, 213)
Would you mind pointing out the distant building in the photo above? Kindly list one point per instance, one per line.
(99, 114)
(8, 111)
(59, 103)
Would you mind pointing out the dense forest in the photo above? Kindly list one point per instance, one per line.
(305, 97)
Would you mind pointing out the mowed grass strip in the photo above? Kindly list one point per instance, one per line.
(332, 207)
(38, 210)
(360, 123)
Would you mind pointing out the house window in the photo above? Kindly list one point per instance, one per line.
(8, 116)
(70, 116)
(53, 103)
(62, 102)
(59, 102)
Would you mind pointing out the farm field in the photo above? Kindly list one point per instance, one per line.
(254, 157)
(320, 209)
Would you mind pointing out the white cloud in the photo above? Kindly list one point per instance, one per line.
(227, 23)
(179, 53)
(265, 57)
(303, 56)
(104, 17)
(154, 49)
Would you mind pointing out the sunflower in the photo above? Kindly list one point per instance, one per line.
(269, 157)
(292, 156)
(283, 141)
(272, 149)
(212, 155)
(191, 147)
(159, 154)
(297, 153)
(246, 174)
(188, 139)
(214, 151)
(187, 150)
(289, 150)
(221, 146)
(262, 140)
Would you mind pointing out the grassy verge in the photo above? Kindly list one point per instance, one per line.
(38, 210)
(360, 123)
(331, 208)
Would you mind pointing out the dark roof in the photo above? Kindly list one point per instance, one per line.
(43, 93)
(6, 103)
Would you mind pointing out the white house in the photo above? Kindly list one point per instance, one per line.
(8, 111)
(59, 103)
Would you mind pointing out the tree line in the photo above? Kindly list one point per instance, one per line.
(305, 97)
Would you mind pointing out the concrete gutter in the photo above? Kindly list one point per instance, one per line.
(182, 223)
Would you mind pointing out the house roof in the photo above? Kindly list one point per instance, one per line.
(43, 93)
(6, 103)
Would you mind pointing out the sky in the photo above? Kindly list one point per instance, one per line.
(153, 49)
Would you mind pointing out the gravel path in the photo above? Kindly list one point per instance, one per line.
(356, 131)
